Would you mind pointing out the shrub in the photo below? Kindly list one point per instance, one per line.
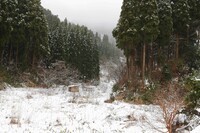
(115, 88)
(148, 95)
(193, 96)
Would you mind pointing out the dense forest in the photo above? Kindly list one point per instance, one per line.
(163, 35)
(160, 39)
(31, 35)
(23, 36)
(78, 46)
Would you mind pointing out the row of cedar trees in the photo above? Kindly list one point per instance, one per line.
(30, 34)
(78, 46)
(74, 44)
(159, 35)
(23, 32)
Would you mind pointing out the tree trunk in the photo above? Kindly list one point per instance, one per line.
(127, 65)
(33, 59)
(159, 57)
(143, 65)
(188, 35)
(151, 61)
(2, 57)
(1, 51)
(177, 47)
(132, 62)
(17, 52)
(10, 54)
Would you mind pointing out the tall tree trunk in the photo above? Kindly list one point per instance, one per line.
(128, 70)
(1, 51)
(132, 62)
(151, 60)
(17, 52)
(33, 59)
(177, 47)
(2, 57)
(143, 65)
(10, 54)
(159, 57)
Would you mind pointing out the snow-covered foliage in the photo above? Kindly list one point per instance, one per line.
(76, 45)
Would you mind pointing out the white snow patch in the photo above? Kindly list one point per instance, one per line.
(58, 110)
(51, 110)
(196, 130)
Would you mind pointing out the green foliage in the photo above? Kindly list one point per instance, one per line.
(116, 88)
(194, 9)
(181, 16)
(166, 73)
(149, 20)
(129, 96)
(75, 44)
(138, 27)
(9, 76)
(125, 31)
(148, 96)
(170, 30)
(193, 97)
(23, 36)
(138, 23)
(166, 22)
(28, 37)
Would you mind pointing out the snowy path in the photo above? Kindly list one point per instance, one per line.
(52, 111)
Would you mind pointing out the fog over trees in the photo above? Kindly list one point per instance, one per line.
(99, 15)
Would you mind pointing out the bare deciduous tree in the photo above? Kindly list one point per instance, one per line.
(170, 101)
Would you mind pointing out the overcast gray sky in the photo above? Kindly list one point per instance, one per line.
(98, 15)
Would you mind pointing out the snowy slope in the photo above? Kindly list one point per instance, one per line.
(42, 110)
(56, 110)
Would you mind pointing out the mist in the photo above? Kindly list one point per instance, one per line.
(98, 15)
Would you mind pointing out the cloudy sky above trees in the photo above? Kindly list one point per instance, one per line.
(98, 15)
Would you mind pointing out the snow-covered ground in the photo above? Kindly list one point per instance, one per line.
(196, 130)
(41, 110)
(56, 110)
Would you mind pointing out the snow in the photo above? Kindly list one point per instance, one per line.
(196, 130)
(181, 118)
(56, 110)
(197, 79)
(42, 110)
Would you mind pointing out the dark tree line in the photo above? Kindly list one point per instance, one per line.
(78, 46)
(30, 34)
(23, 33)
(159, 36)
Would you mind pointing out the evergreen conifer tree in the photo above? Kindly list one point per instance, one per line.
(181, 21)
(138, 24)
(165, 28)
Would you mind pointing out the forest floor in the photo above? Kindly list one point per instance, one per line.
(56, 110)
